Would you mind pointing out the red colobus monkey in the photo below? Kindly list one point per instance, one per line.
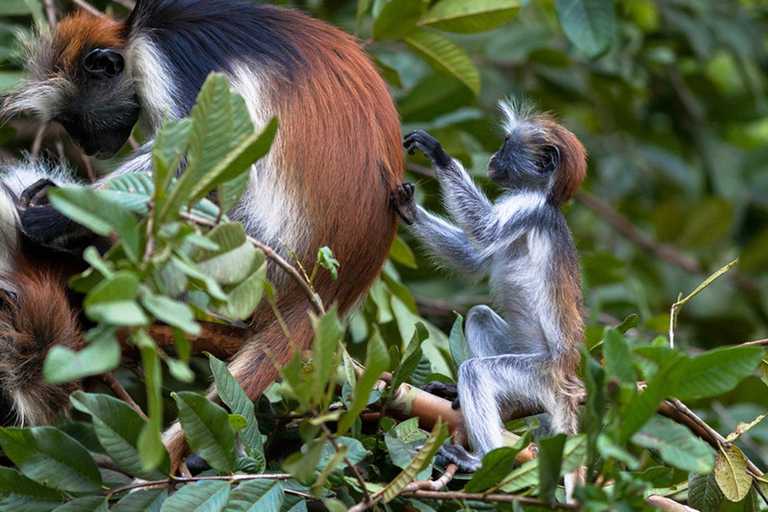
(527, 357)
(36, 310)
(327, 179)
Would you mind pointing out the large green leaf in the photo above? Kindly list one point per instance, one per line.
(98, 212)
(676, 445)
(149, 500)
(715, 372)
(13, 481)
(117, 427)
(704, 493)
(208, 431)
(398, 18)
(86, 504)
(496, 465)
(474, 16)
(232, 394)
(205, 496)
(445, 57)
(100, 355)
(550, 462)
(256, 496)
(51, 458)
(589, 24)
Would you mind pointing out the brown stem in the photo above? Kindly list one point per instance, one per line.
(488, 498)
(668, 505)
(121, 393)
(433, 485)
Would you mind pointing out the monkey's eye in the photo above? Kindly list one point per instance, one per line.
(104, 63)
(550, 160)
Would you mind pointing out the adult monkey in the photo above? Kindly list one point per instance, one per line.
(327, 179)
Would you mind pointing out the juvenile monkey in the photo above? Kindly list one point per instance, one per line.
(528, 356)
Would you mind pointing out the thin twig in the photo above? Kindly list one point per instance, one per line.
(37, 143)
(182, 480)
(488, 498)
(271, 254)
(121, 393)
(352, 467)
(50, 11)
(88, 7)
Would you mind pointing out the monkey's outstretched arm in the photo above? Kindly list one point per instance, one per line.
(468, 205)
(444, 241)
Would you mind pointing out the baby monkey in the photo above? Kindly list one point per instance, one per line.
(528, 357)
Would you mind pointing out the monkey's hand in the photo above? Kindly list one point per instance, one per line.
(402, 201)
(428, 145)
(456, 454)
(446, 390)
(36, 194)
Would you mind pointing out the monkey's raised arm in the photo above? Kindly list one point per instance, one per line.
(468, 205)
(445, 242)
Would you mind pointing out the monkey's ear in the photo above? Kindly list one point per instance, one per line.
(550, 160)
(104, 63)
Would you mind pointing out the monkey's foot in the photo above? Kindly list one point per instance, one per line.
(447, 390)
(36, 194)
(428, 145)
(402, 202)
(456, 454)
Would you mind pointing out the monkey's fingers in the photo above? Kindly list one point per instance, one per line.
(37, 193)
(442, 389)
(456, 454)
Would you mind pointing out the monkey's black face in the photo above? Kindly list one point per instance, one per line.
(521, 164)
(103, 108)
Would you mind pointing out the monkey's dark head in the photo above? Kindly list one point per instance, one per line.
(78, 79)
(538, 154)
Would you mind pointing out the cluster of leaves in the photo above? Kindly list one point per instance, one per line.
(669, 97)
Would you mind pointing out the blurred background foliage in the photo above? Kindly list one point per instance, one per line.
(668, 96)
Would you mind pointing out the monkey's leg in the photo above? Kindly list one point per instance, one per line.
(488, 334)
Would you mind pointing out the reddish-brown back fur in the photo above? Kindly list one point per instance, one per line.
(82, 31)
(43, 318)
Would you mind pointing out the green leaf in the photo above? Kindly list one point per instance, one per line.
(411, 358)
(238, 161)
(233, 396)
(256, 496)
(102, 215)
(643, 406)
(112, 301)
(458, 343)
(419, 463)
(13, 481)
(376, 363)
(445, 57)
(325, 344)
(398, 18)
(100, 356)
(703, 492)
(204, 496)
(715, 372)
(675, 445)
(150, 444)
(550, 462)
(149, 500)
(401, 253)
(117, 427)
(527, 475)
(467, 17)
(51, 458)
(133, 190)
(208, 431)
(618, 359)
(86, 504)
(496, 465)
(589, 24)
(731, 473)
(16, 503)
(172, 312)
(234, 261)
